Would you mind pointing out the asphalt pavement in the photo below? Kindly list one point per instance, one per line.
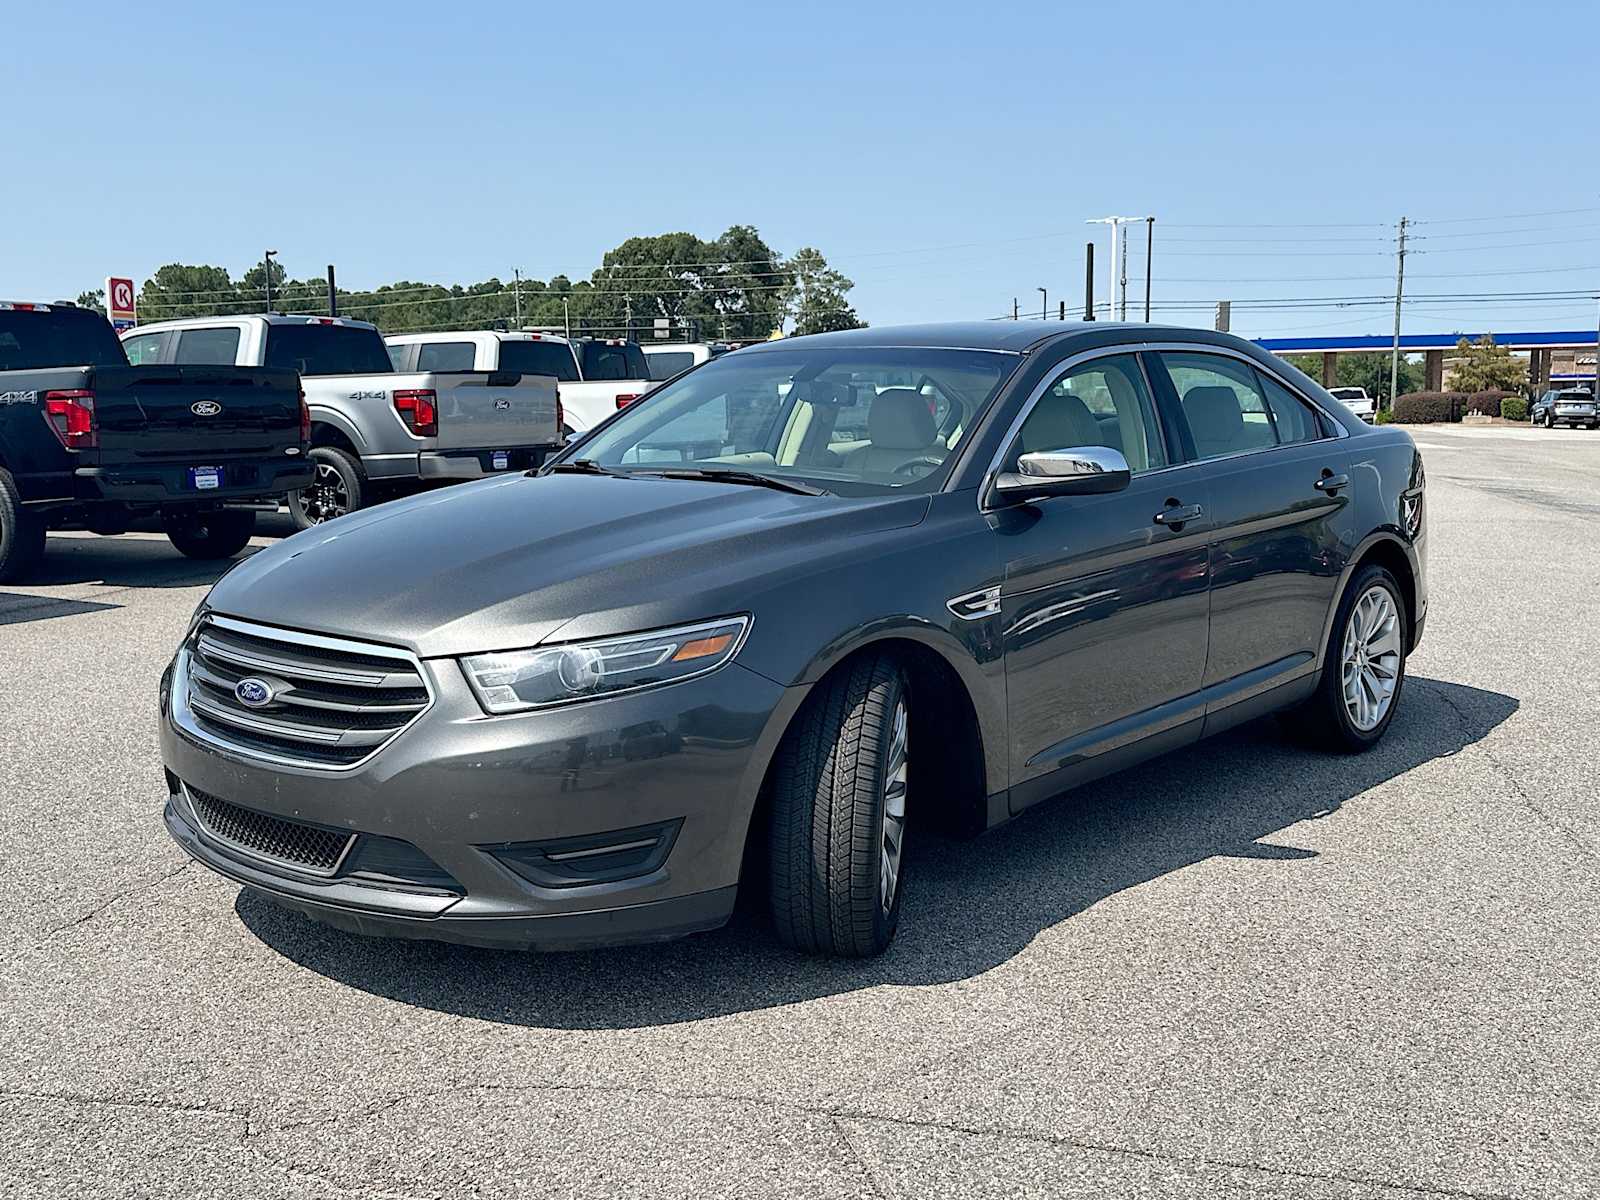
(1245, 969)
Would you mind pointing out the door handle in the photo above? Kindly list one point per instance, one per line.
(1177, 515)
(1331, 482)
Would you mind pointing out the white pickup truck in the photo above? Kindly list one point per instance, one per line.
(1357, 401)
(595, 377)
(371, 425)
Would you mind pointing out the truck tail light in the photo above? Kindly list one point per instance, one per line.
(626, 399)
(305, 420)
(71, 415)
(561, 413)
(417, 409)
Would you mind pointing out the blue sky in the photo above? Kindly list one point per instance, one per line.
(944, 156)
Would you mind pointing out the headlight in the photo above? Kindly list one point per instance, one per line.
(518, 680)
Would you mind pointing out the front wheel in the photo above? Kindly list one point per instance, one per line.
(1363, 667)
(220, 533)
(338, 488)
(1549, 421)
(837, 840)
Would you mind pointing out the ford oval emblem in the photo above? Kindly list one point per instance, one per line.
(253, 693)
(502, 404)
(205, 408)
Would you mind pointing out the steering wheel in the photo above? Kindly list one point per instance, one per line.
(908, 469)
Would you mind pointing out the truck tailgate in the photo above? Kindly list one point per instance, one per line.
(493, 409)
(199, 414)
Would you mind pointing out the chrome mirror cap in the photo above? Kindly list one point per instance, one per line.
(1076, 471)
(1073, 462)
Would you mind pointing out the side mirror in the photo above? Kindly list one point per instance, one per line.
(1077, 471)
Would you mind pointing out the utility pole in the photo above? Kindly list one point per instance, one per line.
(517, 291)
(266, 260)
(1149, 247)
(1061, 312)
(1044, 305)
(1399, 293)
(1088, 281)
(1224, 315)
(566, 317)
(1016, 313)
(333, 296)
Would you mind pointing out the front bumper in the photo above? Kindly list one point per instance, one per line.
(168, 485)
(472, 793)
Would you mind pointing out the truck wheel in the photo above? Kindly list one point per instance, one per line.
(1363, 668)
(21, 533)
(336, 490)
(839, 813)
(218, 533)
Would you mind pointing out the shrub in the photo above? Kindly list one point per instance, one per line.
(1384, 417)
(1488, 402)
(1514, 408)
(1428, 408)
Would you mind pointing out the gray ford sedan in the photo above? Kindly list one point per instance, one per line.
(761, 627)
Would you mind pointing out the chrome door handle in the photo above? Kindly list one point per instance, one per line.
(1178, 515)
(1332, 483)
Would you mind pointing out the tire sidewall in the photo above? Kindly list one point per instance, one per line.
(1347, 731)
(21, 532)
(885, 923)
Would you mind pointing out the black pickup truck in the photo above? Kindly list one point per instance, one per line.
(87, 441)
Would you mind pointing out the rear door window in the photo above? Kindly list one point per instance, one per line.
(1223, 403)
(216, 346)
(667, 363)
(605, 361)
(143, 349)
(446, 356)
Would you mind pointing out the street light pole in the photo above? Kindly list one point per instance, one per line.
(1044, 304)
(266, 260)
(1149, 249)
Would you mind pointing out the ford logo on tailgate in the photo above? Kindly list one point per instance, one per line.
(253, 693)
(205, 408)
(501, 404)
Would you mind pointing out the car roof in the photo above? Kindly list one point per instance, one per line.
(269, 318)
(1014, 337)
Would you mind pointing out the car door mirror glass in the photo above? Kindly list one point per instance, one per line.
(1073, 471)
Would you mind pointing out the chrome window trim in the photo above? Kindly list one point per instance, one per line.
(183, 717)
(1072, 362)
(278, 864)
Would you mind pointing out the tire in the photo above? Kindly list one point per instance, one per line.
(21, 533)
(1549, 421)
(340, 487)
(1326, 719)
(840, 776)
(216, 533)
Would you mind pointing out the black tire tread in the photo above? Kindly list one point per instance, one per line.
(825, 831)
(22, 533)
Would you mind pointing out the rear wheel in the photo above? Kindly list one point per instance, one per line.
(1549, 420)
(837, 840)
(21, 533)
(219, 533)
(1363, 668)
(339, 487)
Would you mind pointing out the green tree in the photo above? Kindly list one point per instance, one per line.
(177, 290)
(1369, 370)
(1482, 366)
(95, 299)
(815, 300)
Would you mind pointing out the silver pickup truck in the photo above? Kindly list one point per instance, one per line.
(372, 428)
(598, 375)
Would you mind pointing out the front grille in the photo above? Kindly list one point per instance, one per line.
(308, 847)
(329, 703)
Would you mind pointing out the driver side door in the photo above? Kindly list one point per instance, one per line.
(1104, 598)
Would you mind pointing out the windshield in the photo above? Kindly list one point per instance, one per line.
(327, 349)
(539, 358)
(57, 337)
(853, 421)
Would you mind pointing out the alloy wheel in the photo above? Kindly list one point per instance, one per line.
(1370, 661)
(327, 497)
(895, 774)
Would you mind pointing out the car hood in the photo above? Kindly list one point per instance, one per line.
(508, 562)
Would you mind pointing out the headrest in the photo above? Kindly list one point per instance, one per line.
(1060, 421)
(1214, 416)
(899, 419)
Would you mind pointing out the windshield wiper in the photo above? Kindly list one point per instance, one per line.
(733, 475)
(585, 466)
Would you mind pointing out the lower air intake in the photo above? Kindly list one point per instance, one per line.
(304, 847)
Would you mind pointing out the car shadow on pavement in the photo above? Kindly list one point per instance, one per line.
(118, 561)
(969, 907)
(17, 608)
